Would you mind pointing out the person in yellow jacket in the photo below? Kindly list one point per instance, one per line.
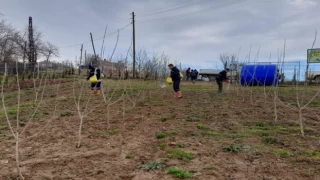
(95, 79)
(176, 78)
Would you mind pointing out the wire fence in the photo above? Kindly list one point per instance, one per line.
(292, 71)
(31, 70)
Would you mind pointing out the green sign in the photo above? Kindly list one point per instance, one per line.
(313, 55)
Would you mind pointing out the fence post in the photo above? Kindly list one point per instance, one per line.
(38, 70)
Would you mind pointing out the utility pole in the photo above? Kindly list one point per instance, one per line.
(32, 58)
(134, 46)
(85, 57)
(94, 51)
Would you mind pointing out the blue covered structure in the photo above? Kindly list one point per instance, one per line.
(259, 75)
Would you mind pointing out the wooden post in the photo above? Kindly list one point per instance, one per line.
(38, 70)
(5, 69)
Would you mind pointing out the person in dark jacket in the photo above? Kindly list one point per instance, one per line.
(95, 71)
(188, 73)
(176, 78)
(194, 75)
(222, 76)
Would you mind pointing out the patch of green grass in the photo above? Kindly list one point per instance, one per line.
(314, 104)
(12, 112)
(256, 153)
(152, 165)
(263, 125)
(37, 115)
(192, 119)
(179, 154)
(271, 140)
(4, 127)
(180, 173)
(159, 102)
(232, 149)
(25, 105)
(63, 99)
(313, 155)
(210, 168)
(280, 128)
(180, 145)
(246, 147)
(105, 133)
(265, 134)
(163, 119)
(8, 96)
(211, 133)
(283, 153)
(160, 135)
(294, 129)
(202, 127)
(129, 156)
(163, 146)
(65, 114)
(172, 133)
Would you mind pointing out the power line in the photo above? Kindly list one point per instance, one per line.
(186, 5)
(97, 38)
(193, 13)
(185, 2)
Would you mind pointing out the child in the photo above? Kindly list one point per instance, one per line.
(95, 83)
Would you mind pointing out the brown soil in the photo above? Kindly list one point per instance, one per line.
(27, 84)
(203, 121)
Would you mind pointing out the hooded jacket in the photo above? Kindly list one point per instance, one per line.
(194, 73)
(175, 74)
(91, 72)
(222, 76)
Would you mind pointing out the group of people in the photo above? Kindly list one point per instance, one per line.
(95, 79)
(192, 74)
(176, 78)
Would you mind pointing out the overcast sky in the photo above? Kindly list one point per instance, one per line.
(197, 39)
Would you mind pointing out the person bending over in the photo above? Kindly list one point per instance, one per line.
(95, 79)
(222, 76)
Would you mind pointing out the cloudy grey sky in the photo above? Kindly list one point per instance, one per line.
(196, 40)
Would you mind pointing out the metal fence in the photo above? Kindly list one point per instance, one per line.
(11, 69)
(294, 70)
(291, 70)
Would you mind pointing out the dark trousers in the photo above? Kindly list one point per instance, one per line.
(176, 85)
(219, 82)
(96, 85)
(188, 77)
(194, 78)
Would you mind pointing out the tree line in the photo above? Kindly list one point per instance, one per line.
(14, 44)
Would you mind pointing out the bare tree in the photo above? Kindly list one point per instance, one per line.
(228, 59)
(8, 46)
(141, 58)
(49, 50)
